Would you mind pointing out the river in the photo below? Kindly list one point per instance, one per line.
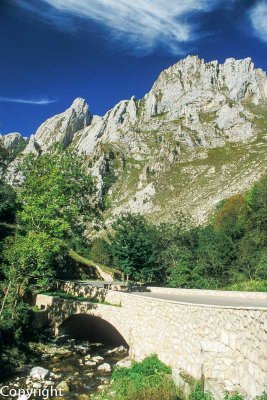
(74, 363)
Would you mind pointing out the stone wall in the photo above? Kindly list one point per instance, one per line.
(228, 344)
(40, 319)
(81, 289)
(261, 296)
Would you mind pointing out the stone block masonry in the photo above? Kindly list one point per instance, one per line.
(229, 344)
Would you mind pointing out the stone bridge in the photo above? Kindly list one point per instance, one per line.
(227, 345)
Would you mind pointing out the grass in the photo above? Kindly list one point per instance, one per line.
(149, 379)
(249, 286)
(207, 117)
(67, 296)
(127, 182)
(160, 115)
(259, 115)
(224, 167)
(89, 263)
(197, 391)
(36, 309)
(202, 181)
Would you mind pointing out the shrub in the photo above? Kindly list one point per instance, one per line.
(262, 397)
(146, 380)
(197, 393)
(233, 396)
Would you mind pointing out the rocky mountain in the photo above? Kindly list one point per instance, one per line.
(197, 137)
(60, 128)
(13, 140)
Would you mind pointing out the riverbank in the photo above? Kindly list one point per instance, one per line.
(79, 368)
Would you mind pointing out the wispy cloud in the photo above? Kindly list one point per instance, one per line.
(258, 17)
(142, 24)
(39, 102)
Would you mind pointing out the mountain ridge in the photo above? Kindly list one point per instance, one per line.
(198, 135)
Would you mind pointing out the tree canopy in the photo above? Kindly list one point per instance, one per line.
(56, 194)
(134, 248)
(231, 248)
(49, 208)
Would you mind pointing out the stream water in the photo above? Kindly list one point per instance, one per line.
(70, 361)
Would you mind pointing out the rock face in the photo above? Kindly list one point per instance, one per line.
(198, 136)
(62, 127)
(12, 140)
(197, 103)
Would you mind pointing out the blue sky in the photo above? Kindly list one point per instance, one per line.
(52, 51)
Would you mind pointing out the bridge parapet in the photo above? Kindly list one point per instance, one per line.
(76, 288)
(261, 296)
(229, 344)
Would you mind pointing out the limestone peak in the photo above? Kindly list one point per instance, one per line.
(11, 140)
(79, 104)
(62, 127)
(194, 110)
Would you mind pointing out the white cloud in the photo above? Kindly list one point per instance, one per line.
(144, 24)
(42, 101)
(258, 17)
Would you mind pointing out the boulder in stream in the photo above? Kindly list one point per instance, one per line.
(90, 363)
(124, 363)
(117, 350)
(104, 367)
(63, 387)
(39, 373)
(97, 359)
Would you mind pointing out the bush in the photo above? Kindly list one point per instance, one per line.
(233, 396)
(146, 380)
(100, 252)
(262, 397)
(149, 366)
(135, 248)
(197, 393)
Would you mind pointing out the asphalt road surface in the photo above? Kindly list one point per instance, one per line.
(208, 300)
(214, 300)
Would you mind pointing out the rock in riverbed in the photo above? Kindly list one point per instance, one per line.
(117, 350)
(39, 373)
(124, 363)
(63, 386)
(90, 363)
(97, 359)
(104, 367)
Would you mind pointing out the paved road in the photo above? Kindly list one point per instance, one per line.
(97, 283)
(209, 300)
(193, 299)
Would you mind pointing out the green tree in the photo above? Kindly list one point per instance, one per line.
(252, 252)
(29, 259)
(8, 202)
(177, 243)
(56, 194)
(180, 273)
(101, 252)
(135, 250)
(216, 257)
(257, 201)
(4, 156)
(8, 208)
(231, 216)
(252, 247)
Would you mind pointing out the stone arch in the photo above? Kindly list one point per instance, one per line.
(92, 327)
